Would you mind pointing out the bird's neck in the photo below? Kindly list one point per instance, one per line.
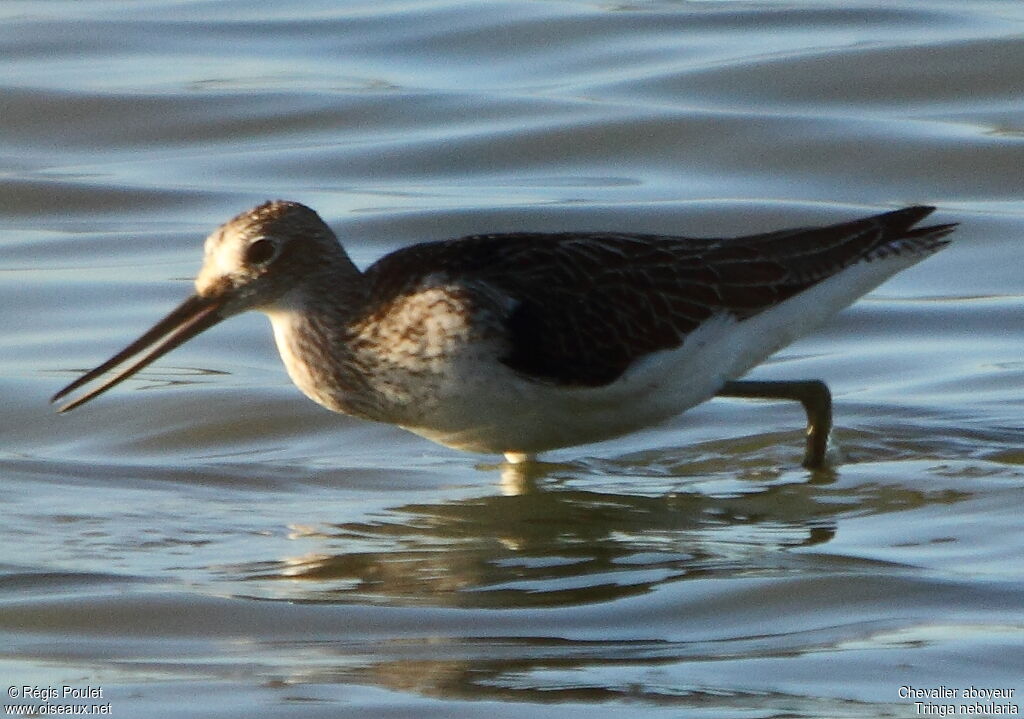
(312, 331)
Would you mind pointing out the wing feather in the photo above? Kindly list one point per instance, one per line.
(583, 306)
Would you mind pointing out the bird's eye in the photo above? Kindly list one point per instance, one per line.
(259, 252)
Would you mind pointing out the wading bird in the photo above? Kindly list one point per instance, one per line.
(525, 342)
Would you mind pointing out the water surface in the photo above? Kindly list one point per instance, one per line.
(206, 542)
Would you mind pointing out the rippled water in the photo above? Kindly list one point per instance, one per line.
(206, 542)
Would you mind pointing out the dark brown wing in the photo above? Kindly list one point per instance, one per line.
(587, 305)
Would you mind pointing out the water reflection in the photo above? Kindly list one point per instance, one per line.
(551, 543)
(589, 531)
(570, 538)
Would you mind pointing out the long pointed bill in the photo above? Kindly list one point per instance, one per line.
(189, 319)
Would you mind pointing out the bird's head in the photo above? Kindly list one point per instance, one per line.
(257, 260)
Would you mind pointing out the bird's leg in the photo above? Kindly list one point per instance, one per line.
(812, 394)
(519, 457)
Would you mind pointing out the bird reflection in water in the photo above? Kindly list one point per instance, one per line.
(578, 537)
(550, 543)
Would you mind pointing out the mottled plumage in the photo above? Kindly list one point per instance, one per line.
(523, 342)
(584, 306)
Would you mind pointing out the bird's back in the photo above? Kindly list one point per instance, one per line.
(582, 307)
